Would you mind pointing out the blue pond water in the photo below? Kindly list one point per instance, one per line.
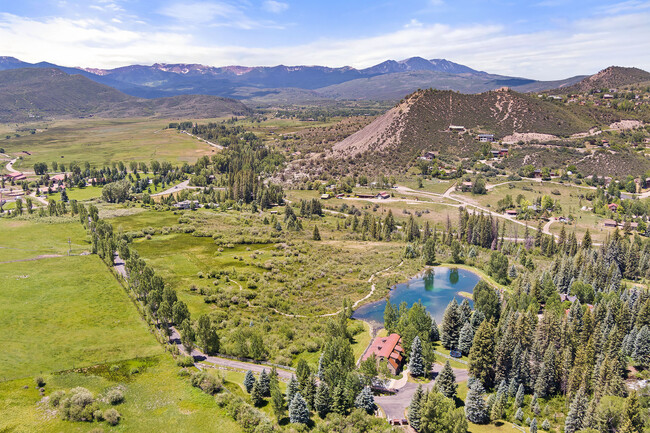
(435, 288)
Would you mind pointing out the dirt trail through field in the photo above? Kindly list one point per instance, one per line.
(32, 259)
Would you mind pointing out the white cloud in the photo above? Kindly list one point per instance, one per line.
(583, 46)
(275, 6)
(213, 13)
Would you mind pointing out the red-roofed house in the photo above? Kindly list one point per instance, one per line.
(387, 349)
(613, 207)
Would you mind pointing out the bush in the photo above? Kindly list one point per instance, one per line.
(40, 382)
(114, 396)
(112, 416)
(185, 361)
(207, 383)
(56, 397)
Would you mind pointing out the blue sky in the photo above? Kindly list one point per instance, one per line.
(543, 39)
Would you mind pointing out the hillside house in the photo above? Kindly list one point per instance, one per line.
(610, 223)
(383, 195)
(485, 138)
(503, 153)
(387, 349)
(613, 207)
(430, 156)
(608, 96)
(537, 174)
(495, 153)
(456, 128)
(512, 212)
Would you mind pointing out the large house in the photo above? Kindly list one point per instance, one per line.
(387, 349)
(485, 138)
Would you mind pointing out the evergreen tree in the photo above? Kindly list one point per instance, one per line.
(292, 389)
(633, 413)
(249, 381)
(586, 240)
(475, 406)
(277, 402)
(316, 234)
(366, 401)
(429, 252)
(298, 412)
(546, 425)
(434, 335)
(339, 405)
(415, 408)
(577, 410)
(323, 400)
(321, 367)
(265, 384)
(481, 356)
(519, 415)
(533, 426)
(451, 325)
(446, 381)
(416, 361)
(641, 353)
(256, 394)
(466, 337)
(302, 372)
(519, 398)
(496, 412)
(546, 383)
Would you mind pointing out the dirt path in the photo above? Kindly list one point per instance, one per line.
(10, 166)
(32, 259)
(218, 146)
(181, 186)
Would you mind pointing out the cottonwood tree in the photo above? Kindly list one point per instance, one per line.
(206, 335)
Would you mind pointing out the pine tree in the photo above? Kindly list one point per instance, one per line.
(641, 353)
(339, 405)
(465, 339)
(298, 412)
(415, 408)
(519, 415)
(633, 413)
(277, 401)
(586, 240)
(249, 381)
(533, 426)
(451, 325)
(446, 381)
(546, 425)
(481, 356)
(316, 234)
(577, 410)
(292, 389)
(321, 367)
(519, 398)
(429, 252)
(366, 401)
(256, 394)
(265, 384)
(416, 361)
(323, 400)
(496, 413)
(434, 335)
(475, 406)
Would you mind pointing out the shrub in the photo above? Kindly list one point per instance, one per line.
(56, 397)
(207, 383)
(115, 396)
(185, 361)
(112, 416)
(40, 382)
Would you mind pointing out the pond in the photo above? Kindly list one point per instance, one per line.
(434, 287)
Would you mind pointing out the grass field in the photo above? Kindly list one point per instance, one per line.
(79, 194)
(27, 239)
(156, 400)
(101, 142)
(66, 312)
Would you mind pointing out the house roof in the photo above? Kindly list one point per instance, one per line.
(382, 347)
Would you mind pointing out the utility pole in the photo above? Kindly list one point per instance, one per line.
(69, 246)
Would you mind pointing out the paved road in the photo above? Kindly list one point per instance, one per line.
(10, 166)
(395, 405)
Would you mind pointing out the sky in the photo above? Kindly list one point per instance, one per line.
(540, 39)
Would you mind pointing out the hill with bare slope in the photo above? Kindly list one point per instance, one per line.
(609, 78)
(33, 93)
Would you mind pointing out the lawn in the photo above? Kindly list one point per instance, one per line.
(26, 239)
(101, 142)
(157, 399)
(66, 312)
(79, 194)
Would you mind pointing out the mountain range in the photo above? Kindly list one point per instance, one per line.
(390, 80)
